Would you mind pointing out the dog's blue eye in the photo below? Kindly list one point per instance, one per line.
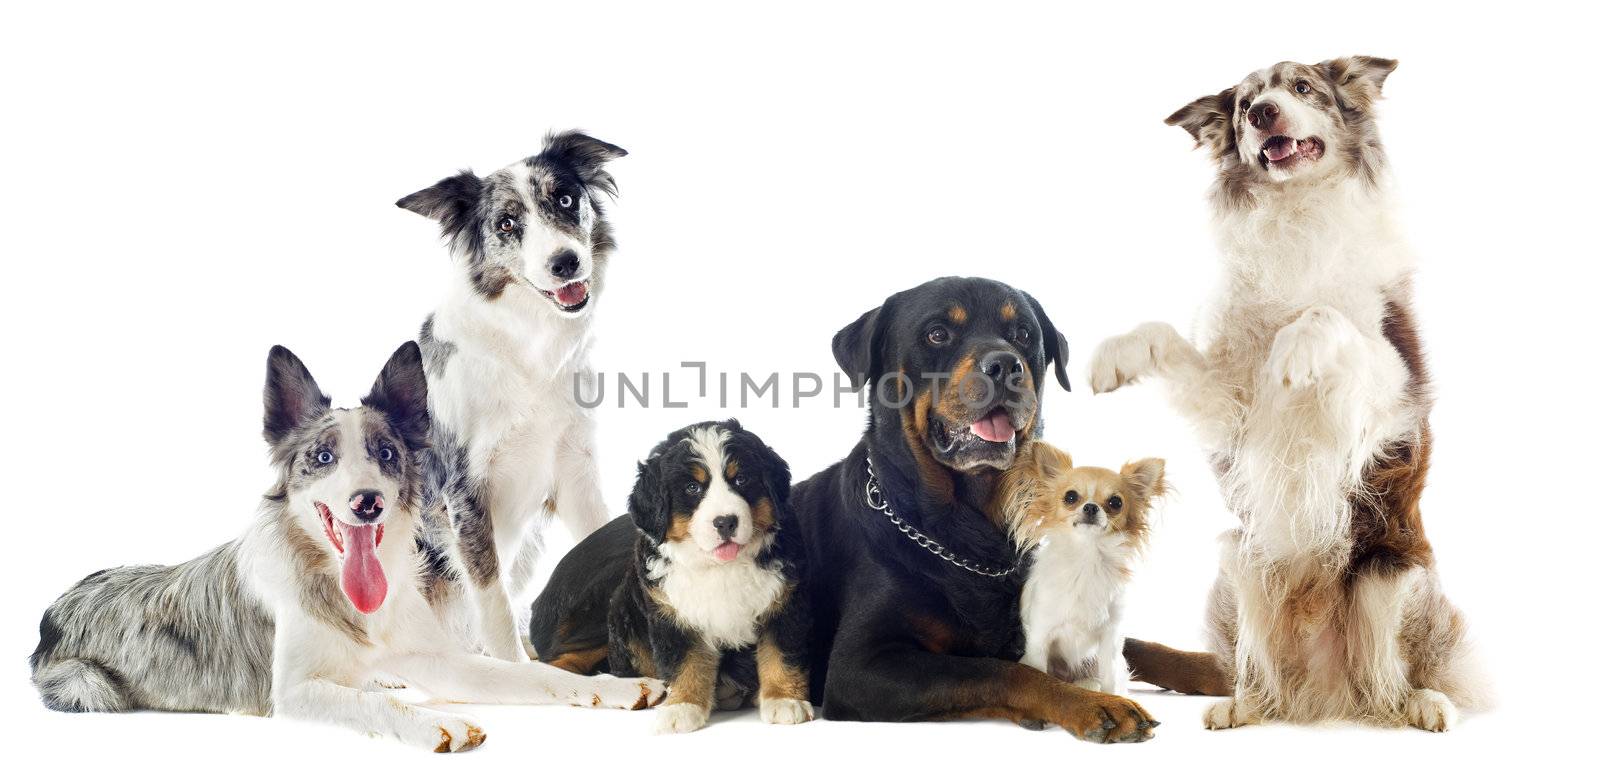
(507, 224)
(324, 457)
(386, 454)
(564, 201)
(691, 488)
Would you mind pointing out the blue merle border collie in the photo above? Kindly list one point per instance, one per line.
(504, 353)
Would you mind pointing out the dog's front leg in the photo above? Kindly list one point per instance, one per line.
(321, 700)
(458, 676)
(905, 684)
(476, 546)
(1158, 350)
(579, 503)
(781, 665)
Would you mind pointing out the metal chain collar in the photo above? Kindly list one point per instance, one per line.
(877, 501)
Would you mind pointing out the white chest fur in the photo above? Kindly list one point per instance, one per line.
(1072, 600)
(721, 602)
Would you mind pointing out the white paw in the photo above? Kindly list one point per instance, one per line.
(1431, 710)
(785, 711)
(450, 733)
(681, 718)
(1120, 360)
(1305, 352)
(631, 693)
(1088, 684)
(1227, 713)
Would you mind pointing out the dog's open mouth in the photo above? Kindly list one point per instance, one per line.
(569, 298)
(361, 574)
(1281, 150)
(989, 440)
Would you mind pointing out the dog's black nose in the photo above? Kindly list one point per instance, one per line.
(366, 504)
(998, 365)
(1091, 510)
(726, 525)
(564, 265)
(1262, 115)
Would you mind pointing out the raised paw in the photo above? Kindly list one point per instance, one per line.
(681, 718)
(1305, 352)
(1120, 360)
(626, 693)
(456, 734)
(1228, 713)
(1109, 719)
(785, 711)
(1430, 710)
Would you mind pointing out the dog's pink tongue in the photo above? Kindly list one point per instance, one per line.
(726, 551)
(996, 427)
(572, 293)
(362, 579)
(1282, 149)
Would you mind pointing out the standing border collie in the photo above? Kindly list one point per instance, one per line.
(695, 586)
(505, 353)
(312, 603)
(1313, 395)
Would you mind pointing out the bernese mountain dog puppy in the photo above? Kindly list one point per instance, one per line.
(710, 600)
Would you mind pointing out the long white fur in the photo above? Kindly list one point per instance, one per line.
(1072, 606)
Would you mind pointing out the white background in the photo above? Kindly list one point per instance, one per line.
(185, 187)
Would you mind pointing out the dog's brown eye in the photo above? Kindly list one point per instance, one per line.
(1072, 497)
(1115, 503)
(1244, 104)
(1024, 336)
(564, 201)
(1302, 87)
(507, 224)
(691, 489)
(740, 480)
(938, 335)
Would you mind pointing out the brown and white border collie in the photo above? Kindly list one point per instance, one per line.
(1311, 391)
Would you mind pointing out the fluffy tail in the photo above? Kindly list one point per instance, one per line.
(80, 684)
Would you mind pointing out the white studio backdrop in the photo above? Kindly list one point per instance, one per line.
(186, 186)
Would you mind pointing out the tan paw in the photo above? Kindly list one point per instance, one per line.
(786, 711)
(1431, 710)
(629, 693)
(455, 734)
(1228, 713)
(681, 718)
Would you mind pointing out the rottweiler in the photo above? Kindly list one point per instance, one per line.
(913, 583)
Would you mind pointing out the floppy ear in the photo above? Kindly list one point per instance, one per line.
(1147, 477)
(855, 347)
(1055, 343)
(648, 503)
(292, 397)
(1358, 80)
(401, 393)
(1209, 120)
(586, 154)
(775, 474)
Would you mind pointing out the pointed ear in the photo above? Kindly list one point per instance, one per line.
(448, 202)
(648, 503)
(1055, 343)
(1049, 461)
(292, 397)
(1147, 477)
(1209, 120)
(586, 154)
(856, 347)
(401, 394)
(1358, 80)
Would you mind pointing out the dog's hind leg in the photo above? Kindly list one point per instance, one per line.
(1388, 616)
(79, 684)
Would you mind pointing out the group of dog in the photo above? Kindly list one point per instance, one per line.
(952, 565)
